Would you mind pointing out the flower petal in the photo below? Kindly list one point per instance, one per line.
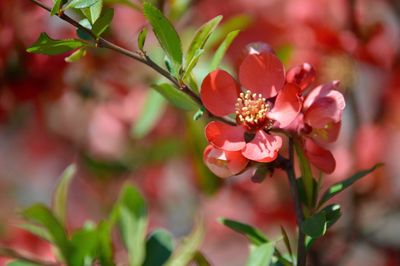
(262, 73)
(323, 106)
(287, 106)
(263, 148)
(301, 75)
(327, 134)
(224, 163)
(322, 91)
(225, 137)
(219, 92)
(319, 157)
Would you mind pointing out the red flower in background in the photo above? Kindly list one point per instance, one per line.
(262, 77)
(320, 118)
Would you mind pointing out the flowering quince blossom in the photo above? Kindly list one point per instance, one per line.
(263, 101)
(319, 121)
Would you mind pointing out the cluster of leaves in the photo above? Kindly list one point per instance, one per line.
(93, 243)
(316, 224)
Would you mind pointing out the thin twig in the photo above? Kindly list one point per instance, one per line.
(301, 250)
(141, 57)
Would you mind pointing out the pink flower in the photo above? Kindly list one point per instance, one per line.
(320, 118)
(224, 163)
(262, 77)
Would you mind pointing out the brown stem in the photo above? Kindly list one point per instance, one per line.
(141, 57)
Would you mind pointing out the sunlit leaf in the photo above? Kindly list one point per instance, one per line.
(48, 46)
(176, 96)
(150, 114)
(93, 13)
(142, 38)
(192, 64)
(75, 56)
(81, 3)
(165, 33)
(105, 251)
(261, 255)
(332, 214)
(219, 54)
(103, 22)
(253, 234)
(133, 220)
(57, 6)
(41, 215)
(60, 197)
(188, 247)
(159, 248)
(340, 186)
(198, 43)
(21, 263)
(84, 243)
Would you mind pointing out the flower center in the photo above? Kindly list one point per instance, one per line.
(251, 111)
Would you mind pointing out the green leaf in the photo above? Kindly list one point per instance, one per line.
(188, 247)
(219, 54)
(101, 25)
(79, 4)
(60, 198)
(75, 56)
(239, 22)
(41, 215)
(253, 234)
(199, 41)
(105, 251)
(340, 186)
(46, 45)
(85, 244)
(192, 64)
(150, 115)
(287, 241)
(93, 13)
(37, 231)
(332, 214)
(133, 220)
(142, 38)
(306, 174)
(315, 225)
(165, 33)
(57, 7)
(176, 97)
(159, 248)
(261, 255)
(199, 113)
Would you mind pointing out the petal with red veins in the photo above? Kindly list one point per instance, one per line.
(219, 92)
(262, 73)
(225, 137)
(322, 91)
(327, 134)
(224, 163)
(324, 111)
(319, 157)
(287, 106)
(301, 75)
(263, 148)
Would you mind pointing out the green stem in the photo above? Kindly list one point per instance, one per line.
(306, 174)
(289, 168)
